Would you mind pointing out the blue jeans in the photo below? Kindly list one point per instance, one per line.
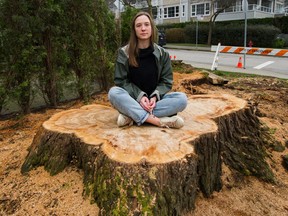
(170, 104)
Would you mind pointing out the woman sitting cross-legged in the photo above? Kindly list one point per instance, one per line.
(143, 79)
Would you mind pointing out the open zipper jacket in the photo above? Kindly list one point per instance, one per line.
(165, 75)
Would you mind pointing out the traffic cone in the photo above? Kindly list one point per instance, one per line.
(239, 65)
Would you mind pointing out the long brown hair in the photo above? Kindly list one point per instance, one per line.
(133, 41)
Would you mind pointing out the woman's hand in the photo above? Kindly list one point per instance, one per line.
(152, 102)
(147, 104)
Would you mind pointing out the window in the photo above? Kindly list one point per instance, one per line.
(279, 8)
(200, 9)
(183, 10)
(171, 12)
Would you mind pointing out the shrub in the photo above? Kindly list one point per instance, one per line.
(260, 35)
(126, 18)
(175, 35)
(260, 31)
(279, 43)
(190, 31)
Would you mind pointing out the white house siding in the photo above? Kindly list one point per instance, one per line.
(162, 16)
(261, 9)
(184, 10)
(240, 15)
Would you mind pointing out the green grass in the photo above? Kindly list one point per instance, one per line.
(228, 74)
(234, 74)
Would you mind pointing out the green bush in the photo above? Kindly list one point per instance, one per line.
(282, 38)
(126, 18)
(261, 32)
(190, 31)
(279, 43)
(175, 35)
(172, 25)
(279, 22)
(233, 35)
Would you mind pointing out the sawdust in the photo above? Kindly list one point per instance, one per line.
(38, 193)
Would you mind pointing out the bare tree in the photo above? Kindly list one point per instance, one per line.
(146, 3)
(129, 3)
(221, 6)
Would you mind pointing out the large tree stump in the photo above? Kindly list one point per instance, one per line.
(150, 170)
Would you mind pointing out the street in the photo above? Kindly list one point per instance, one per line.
(255, 64)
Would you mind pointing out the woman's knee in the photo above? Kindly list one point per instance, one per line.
(182, 99)
(115, 90)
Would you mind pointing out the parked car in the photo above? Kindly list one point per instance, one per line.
(161, 38)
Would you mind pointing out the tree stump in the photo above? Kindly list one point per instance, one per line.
(148, 170)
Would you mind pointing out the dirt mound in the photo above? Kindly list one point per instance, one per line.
(40, 194)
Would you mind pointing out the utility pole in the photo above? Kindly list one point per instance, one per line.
(245, 8)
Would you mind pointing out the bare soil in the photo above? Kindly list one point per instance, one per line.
(38, 193)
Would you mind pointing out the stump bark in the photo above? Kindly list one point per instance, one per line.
(150, 170)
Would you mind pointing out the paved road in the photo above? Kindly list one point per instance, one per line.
(255, 64)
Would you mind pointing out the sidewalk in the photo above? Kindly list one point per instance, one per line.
(200, 48)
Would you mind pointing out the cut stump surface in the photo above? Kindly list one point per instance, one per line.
(96, 125)
(150, 170)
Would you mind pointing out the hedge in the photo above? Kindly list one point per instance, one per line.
(262, 32)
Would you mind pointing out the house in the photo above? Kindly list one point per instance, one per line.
(176, 11)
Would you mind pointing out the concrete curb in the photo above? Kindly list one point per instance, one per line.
(170, 46)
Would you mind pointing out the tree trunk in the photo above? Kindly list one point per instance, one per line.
(150, 170)
(209, 41)
(50, 79)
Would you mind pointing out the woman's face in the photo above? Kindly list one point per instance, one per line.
(143, 28)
